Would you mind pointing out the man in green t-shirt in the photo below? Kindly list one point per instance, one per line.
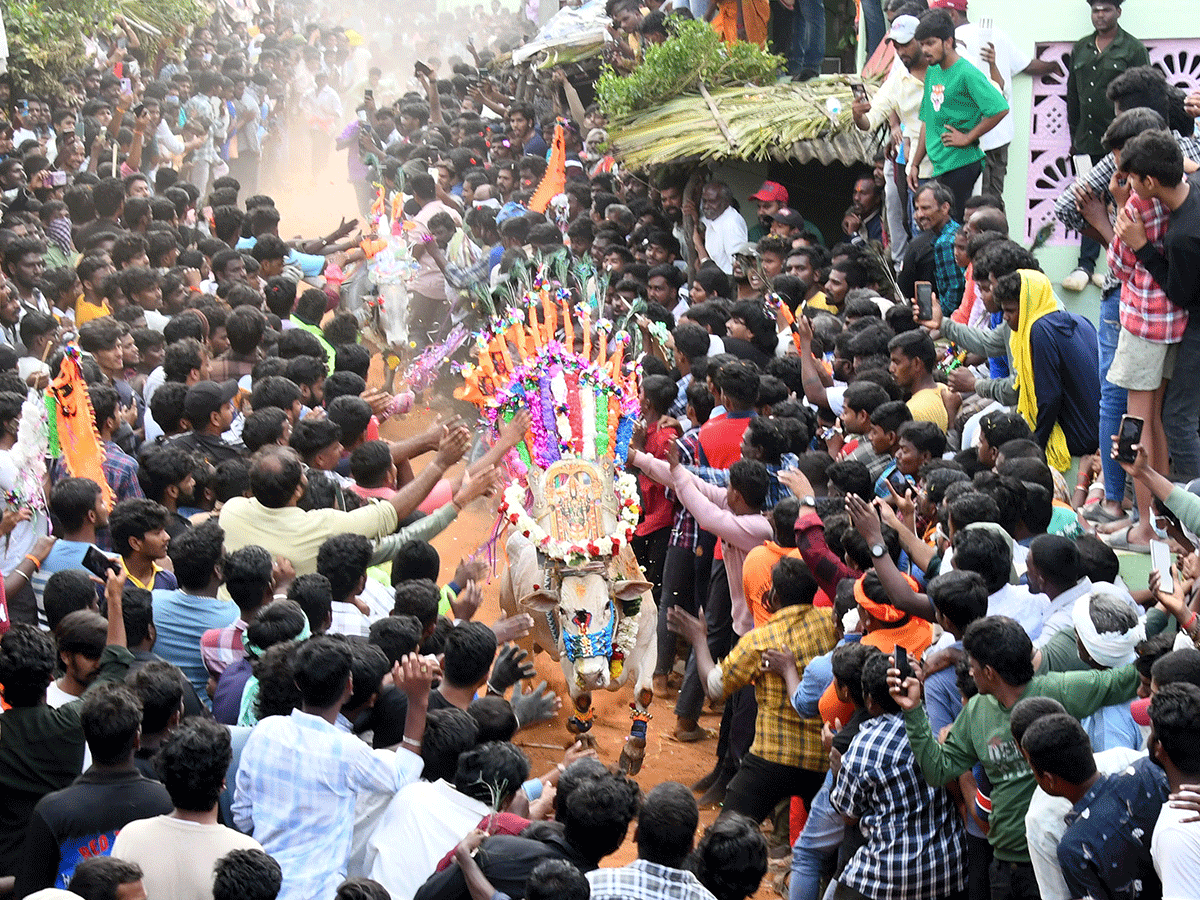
(959, 107)
(1000, 655)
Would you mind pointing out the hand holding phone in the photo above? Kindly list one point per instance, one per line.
(1160, 561)
(902, 664)
(860, 91)
(99, 563)
(924, 300)
(899, 482)
(1129, 436)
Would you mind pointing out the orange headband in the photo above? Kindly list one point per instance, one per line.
(884, 612)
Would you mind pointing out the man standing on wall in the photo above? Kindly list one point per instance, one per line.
(960, 106)
(1096, 60)
(993, 52)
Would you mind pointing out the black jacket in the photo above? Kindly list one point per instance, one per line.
(506, 862)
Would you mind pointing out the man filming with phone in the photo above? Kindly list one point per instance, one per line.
(80, 508)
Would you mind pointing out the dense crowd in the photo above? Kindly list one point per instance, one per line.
(888, 484)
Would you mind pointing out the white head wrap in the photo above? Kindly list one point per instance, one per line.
(1109, 649)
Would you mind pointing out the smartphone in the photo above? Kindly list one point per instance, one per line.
(924, 300)
(98, 563)
(860, 91)
(421, 69)
(126, 86)
(1160, 560)
(902, 664)
(899, 482)
(56, 179)
(138, 110)
(368, 94)
(1128, 437)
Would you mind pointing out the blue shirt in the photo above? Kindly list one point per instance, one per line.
(63, 556)
(1105, 851)
(311, 264)
(180, 619)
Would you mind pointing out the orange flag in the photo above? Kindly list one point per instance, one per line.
(555, 179)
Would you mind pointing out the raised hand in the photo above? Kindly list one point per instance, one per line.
(907, 692)
(453, 446)
(538, 705)
(511, 665)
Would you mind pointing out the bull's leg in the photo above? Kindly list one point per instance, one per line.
(634, 750)
(581, 721)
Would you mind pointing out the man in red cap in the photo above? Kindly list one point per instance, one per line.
(992, 52)
(771, 197)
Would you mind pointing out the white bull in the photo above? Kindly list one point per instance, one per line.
(576, 626)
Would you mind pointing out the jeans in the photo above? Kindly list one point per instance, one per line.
(718, 614)
(808, 37)
(995, 167)
(961, 182)
(679, 575)
(877, 26)
(1181, 407)
(1013, 881)
(1089, 251)
(1112, 398)
(814, 854)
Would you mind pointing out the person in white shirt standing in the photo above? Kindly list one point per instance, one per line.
(1175, 847)
(724, 227)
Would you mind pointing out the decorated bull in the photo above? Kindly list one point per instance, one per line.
(570, 509)
(595, 616)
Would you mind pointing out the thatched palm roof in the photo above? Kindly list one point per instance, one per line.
(788, 121)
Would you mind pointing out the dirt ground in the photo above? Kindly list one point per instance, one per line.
(315, 212)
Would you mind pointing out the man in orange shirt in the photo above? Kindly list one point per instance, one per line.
(884, 627)
(756, 570)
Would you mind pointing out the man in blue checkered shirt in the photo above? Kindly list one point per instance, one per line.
(914, 846)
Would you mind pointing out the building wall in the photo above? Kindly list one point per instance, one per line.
(1156, 22)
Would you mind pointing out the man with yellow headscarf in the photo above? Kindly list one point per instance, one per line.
(1055, 367)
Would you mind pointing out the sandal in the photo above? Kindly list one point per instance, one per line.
(1095, 512)
(1120, 541)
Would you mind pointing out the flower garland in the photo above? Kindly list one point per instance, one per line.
(512, 509)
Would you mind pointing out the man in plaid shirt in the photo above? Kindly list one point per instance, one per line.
(1151, 329)
(786, 758)
(1090, 206)
(914, 846)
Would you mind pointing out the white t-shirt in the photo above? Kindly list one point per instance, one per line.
(409, 822)
(177, 856)
(1010, 60)
(1175, 848)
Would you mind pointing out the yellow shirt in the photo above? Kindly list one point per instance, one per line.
(927, 406)
(819, 303)
(85, 312)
